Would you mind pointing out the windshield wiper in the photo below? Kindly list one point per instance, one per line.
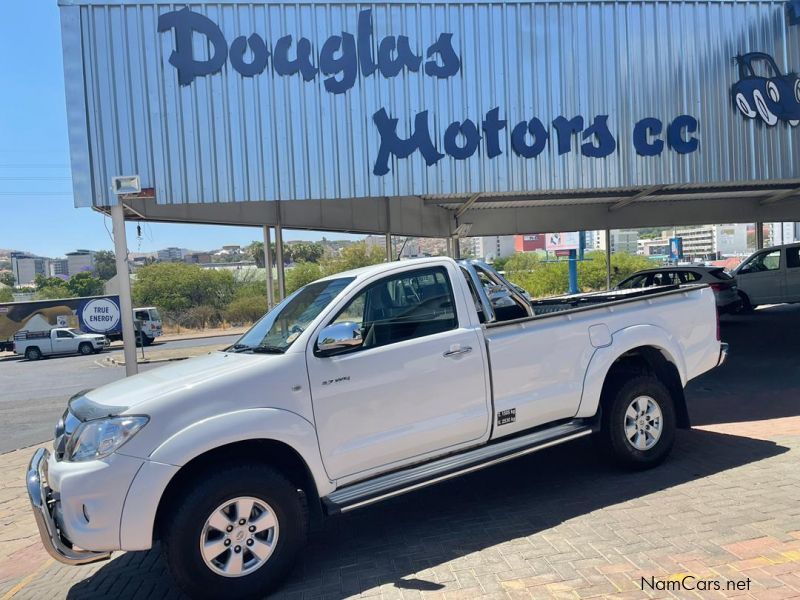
(267, 350)
(237, 348)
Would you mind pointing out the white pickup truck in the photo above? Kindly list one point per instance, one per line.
(356, 388)
(33, 345)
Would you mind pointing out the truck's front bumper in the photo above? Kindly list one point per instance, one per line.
(42, 502)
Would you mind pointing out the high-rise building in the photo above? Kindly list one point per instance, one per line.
(171, 254)
(492, 247)
(58, 266)
(80, 260)
(26, 267)
(622, 240)
(713, 241)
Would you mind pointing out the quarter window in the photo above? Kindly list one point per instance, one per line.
(402, 307)
(793, 257)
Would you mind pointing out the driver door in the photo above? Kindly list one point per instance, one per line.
(763, 277)
(415, 387)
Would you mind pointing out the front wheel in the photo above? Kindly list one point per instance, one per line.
(746, 307)
(638, 423)
(235, 534)
(85, 349)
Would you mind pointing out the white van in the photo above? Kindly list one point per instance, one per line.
(769, 276)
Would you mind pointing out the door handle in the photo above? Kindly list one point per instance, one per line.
(458, 352)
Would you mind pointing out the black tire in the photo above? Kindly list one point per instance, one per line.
(746, 308)
(85, 348)
(147, 340)
(33, 353)
(184, 525)
(612, 439)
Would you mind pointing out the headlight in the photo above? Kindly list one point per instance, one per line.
(99, 438)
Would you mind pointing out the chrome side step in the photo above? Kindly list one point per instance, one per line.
(399, 482)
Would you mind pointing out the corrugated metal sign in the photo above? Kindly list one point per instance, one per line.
(235, 101)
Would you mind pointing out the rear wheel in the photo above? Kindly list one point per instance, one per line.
(236, 533)
(85, 348)
(638, 423)
(33, 353)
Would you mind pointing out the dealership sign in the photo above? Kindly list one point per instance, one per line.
(339, 59)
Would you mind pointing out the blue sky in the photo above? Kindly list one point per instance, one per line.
(36, 207)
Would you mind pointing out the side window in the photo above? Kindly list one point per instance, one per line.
(793, 257)
(665, 278)
(637, 281)
(688, 276)
(766, 261)
(64, 334)
(141, 315)
(402, 307)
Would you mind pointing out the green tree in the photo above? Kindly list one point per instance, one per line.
(105, 264)
(85, 284)
(305, 252)
(541, 278)
(255, 251)
(353, 257)
(7, 278)
(246, 309)
(302, 274)
(180, 286)
(6, 295)
(48, 288)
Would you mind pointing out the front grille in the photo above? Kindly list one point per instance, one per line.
(66, 426)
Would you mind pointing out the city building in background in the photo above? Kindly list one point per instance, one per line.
(171, 254)
(529, 243)
(492, 247)
(80, 260)
(711, 242)
(26, 267)
(58, 267)
(622, 240)
(194, 258)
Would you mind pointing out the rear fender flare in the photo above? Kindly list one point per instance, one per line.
(624, 341)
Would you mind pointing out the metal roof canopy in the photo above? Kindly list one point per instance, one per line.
(498, 214)
(631, 104)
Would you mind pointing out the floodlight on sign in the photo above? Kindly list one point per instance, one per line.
(126, 184)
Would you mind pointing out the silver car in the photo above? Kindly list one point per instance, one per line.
(723, 284)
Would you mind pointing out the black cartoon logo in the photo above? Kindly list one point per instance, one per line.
(764, 92)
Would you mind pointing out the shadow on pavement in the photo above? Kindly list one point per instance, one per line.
(761, 378)
(392, 542)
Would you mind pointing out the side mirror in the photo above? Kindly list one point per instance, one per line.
(339, 336)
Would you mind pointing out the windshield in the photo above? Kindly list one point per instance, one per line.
(75, 331)
(280, 327)
(154, 315)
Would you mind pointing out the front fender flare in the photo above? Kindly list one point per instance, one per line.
(150, 482)
(624, 341)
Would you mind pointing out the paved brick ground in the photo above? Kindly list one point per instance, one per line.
(558, 524)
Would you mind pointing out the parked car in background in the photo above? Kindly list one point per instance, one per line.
(33, 345)
(724, 285)
(769, 276)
